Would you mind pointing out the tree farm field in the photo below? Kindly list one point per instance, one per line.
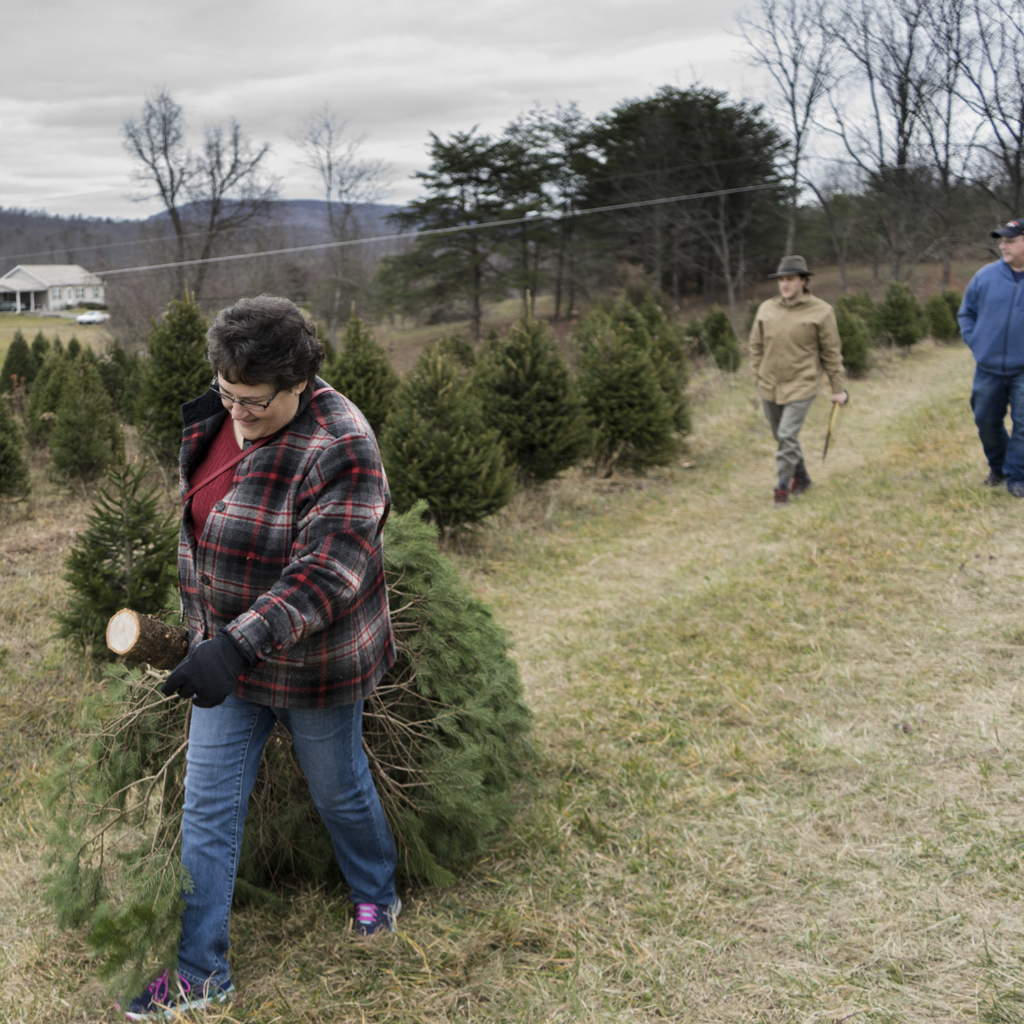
(780, 751)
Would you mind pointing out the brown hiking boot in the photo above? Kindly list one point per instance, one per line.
(781, 495)
(800, 482)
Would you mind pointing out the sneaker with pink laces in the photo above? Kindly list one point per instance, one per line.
(162, 1000)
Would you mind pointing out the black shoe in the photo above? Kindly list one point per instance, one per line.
(994, 479)
(800, 482)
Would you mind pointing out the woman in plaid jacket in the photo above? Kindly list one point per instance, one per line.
(282, 582)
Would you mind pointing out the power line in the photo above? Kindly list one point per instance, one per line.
(530, 218)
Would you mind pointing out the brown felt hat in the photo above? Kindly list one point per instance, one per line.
(790, 265)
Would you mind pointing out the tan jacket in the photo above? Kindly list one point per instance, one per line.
(793, 345)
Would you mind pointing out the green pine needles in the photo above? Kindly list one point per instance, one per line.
(175, 372)
(124, 559)
(437, 447)
(530, 399)
(362, 372)
(14, 473)
(447, 732)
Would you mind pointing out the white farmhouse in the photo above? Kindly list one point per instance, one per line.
(50, 286)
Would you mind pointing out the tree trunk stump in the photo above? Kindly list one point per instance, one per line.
(146, 639)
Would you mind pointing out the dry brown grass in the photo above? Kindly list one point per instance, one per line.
(781, 752)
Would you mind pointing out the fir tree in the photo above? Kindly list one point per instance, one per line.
(942, 325)
(19, 364)
(720, 339)
(45, 396)
(898, 316)
(362, 372)
(529, 398)
(437, 447)
(175, 372)
(14, 475)
(953, 299)
(86, 436)
(447, 730)
(631, 419)
(40, 347)
(121, 374)
(126, 558)
(668, 353)
(853, 336)
(74, 348)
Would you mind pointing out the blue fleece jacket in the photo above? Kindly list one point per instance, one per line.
(992, 319)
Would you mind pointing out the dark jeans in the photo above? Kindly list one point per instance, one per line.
(991, 395)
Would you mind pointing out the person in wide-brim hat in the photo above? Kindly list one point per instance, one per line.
(794, 344)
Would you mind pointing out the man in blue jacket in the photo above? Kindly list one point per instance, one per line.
(992, 323)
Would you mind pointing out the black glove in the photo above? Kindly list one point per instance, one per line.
(209, 672)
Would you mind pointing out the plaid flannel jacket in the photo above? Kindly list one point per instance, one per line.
(291, 560)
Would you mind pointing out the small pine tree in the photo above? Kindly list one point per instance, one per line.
(898, 316)
(630, 417)
(460, 348)
(121, 374)
(437, 448)
(175, 372)
(19, 364)
(720, 339)
(363, 373)
(853, 336)
(126, 558)
(953, 299)
(43, 399)
(859, 304)
(942, 325)
(14, 475)
(86, 436)
(447, 726)
(529, 398)
(74, 348)
(668, 353)
(40, 347)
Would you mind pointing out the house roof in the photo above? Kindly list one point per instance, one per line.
(36, 277)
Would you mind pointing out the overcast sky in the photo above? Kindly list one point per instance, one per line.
(396, 69)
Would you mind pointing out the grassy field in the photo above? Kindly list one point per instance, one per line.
(781, 750)
(94, 335)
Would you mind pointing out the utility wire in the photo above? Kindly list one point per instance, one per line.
(530, 218)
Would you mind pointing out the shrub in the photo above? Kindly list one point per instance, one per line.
(363, 373)
(858, 304)
(18, 363)
(447, 731)
(126, 558)
(175, 372)
(631, 419)
(529, 398)
(953, 299)
(941, 321)
(437, 447)
(853, 336)
(668, 353)
(121, 374)
(899, 316)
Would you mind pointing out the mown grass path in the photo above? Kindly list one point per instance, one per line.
(780, 754)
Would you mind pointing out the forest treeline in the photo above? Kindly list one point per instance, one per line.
(889, 133)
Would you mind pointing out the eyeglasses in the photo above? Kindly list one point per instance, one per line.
(247, 403)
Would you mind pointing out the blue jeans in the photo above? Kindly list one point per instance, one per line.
(991, 395)
(225, 747)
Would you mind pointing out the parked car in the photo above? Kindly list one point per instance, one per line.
(8, 306)
(92, 316)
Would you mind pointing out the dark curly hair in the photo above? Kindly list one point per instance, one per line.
(264, 340)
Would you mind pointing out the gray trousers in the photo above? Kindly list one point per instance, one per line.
(786, 421)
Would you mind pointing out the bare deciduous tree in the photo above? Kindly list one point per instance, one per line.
(221, 189)
(347, 181)
(795, 42)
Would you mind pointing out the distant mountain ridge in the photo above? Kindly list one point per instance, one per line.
(28, 236)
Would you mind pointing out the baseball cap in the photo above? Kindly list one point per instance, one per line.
(1012, 230)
